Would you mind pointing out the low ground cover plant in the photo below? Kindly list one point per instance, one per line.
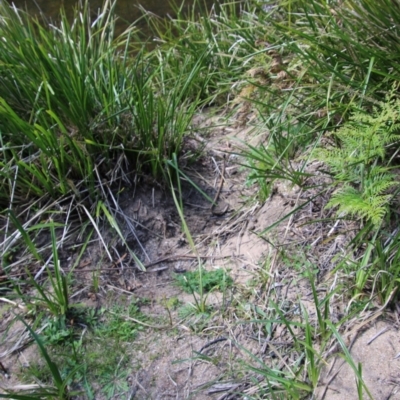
(216, 279)
(85, 113)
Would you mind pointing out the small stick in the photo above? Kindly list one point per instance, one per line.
(221, 184)
(13, 303)
(144, 323)
(378, 334)
(158, 261)
(221, 339)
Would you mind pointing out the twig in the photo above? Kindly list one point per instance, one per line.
(144, 323)
(221, 184)
(155, 262)
(158, 261)
(13, 303)
(377, 335)
(221, 339)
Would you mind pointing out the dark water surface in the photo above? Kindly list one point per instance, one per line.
(127, 10)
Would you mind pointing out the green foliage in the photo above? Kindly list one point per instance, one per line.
(260, 165)
(56, 332)
(55, 295)
(216, 279)
(276, 160)
(79, 109)
(347, 49)
(370, 204)
(82, 110)
(73, 94)
(62, 329)
(99, 353)
(114, 380)
(59, 382)
(386, 267)
(225, 36)
(357, 163)
(120, 328)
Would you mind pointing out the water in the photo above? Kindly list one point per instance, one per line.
(127, 10)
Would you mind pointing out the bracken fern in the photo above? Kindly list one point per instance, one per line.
(360, 163)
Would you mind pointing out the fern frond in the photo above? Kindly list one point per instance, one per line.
(378, 186)
(352, 203)
(357, 164)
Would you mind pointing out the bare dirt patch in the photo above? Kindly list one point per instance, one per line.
(377, 349)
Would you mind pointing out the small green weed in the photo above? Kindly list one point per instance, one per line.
(106, 363)
(59, 330)
(118, 327)
(113, 381)
(217, 279)
(196, 320)
(56, 332)
(56, 384)
(172, 303)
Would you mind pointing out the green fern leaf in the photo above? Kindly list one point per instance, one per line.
(352, 203)
(358, 164)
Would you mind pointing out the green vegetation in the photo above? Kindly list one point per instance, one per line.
(76, 358)
(85, 114)
(357, 164)
(217, 279)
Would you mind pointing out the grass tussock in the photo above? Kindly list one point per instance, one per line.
(78, 101)
(84, 112)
